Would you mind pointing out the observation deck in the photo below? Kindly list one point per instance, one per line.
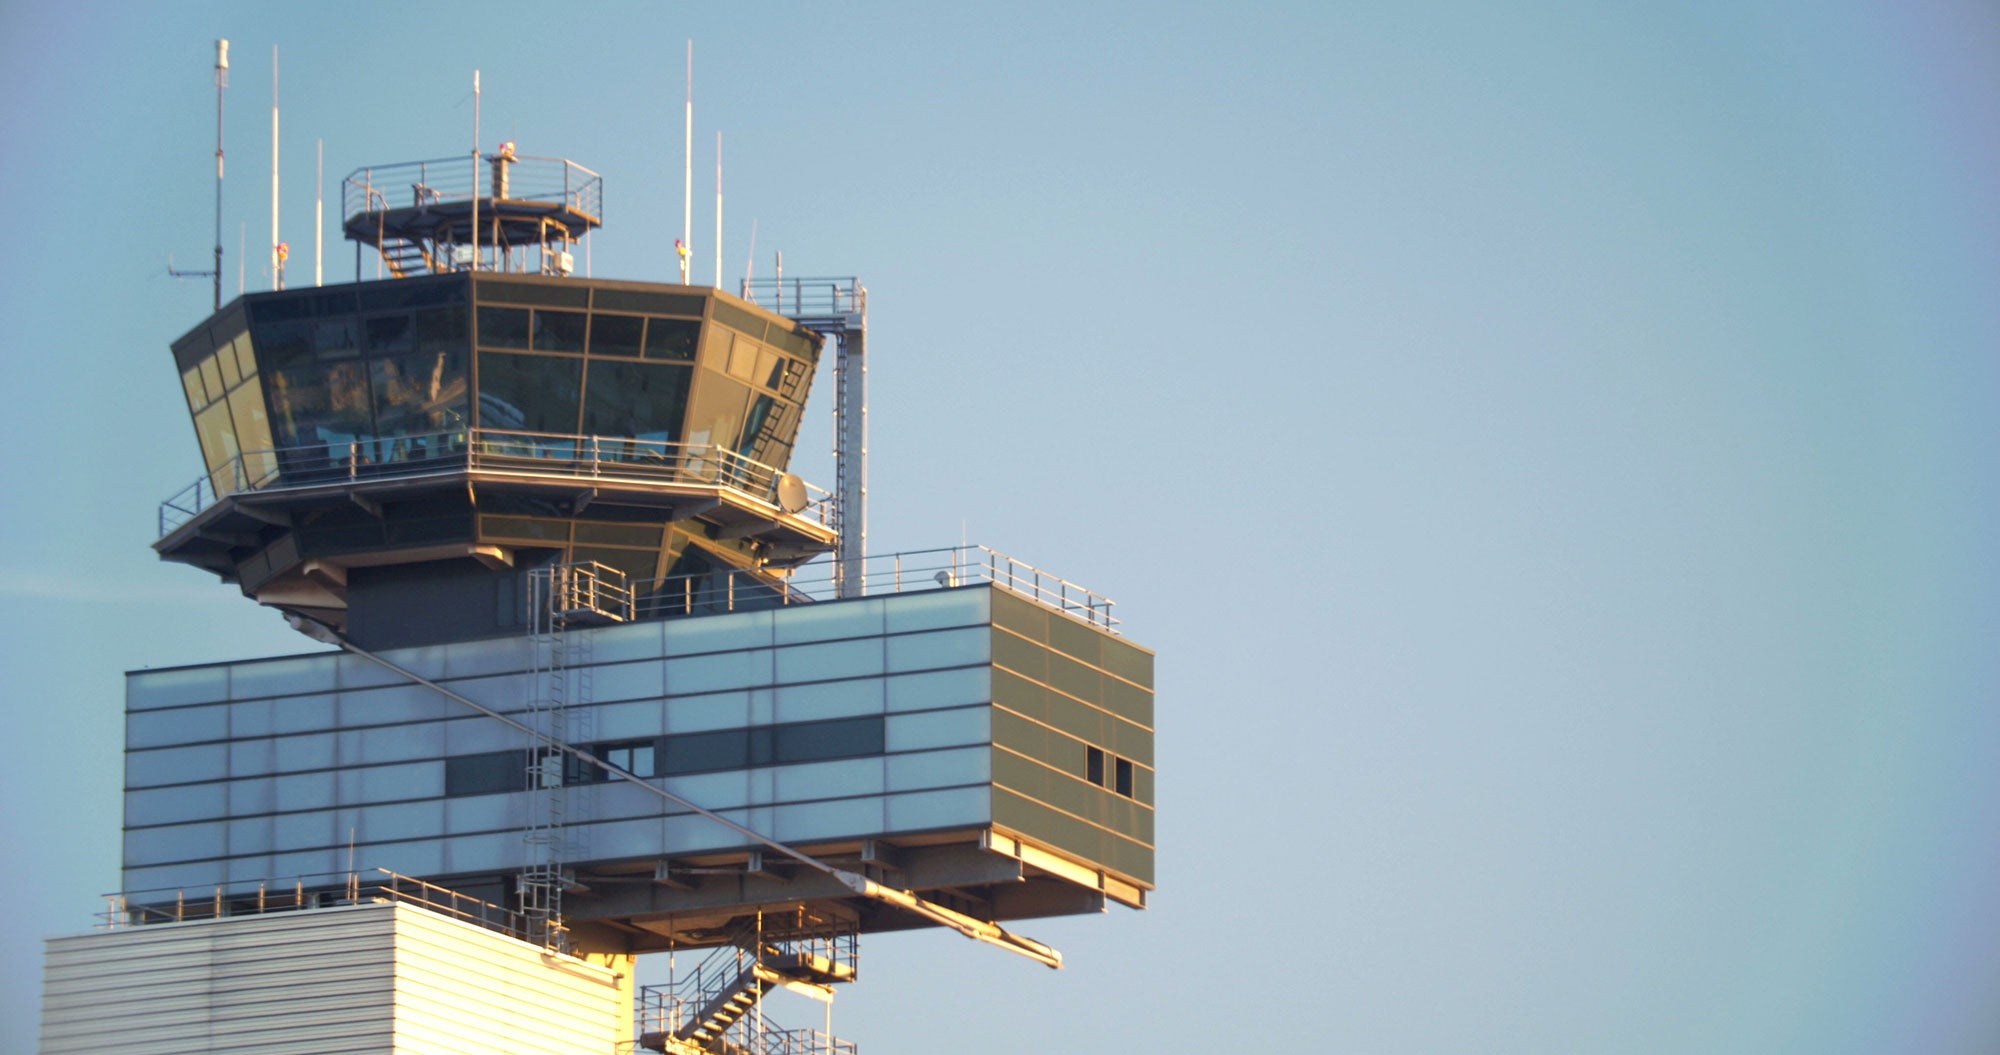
(497, 420)
(455, 214)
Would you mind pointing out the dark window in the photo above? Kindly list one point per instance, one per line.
(1093, 765)
(772, 745)
(485, 774)
(616, 335)
(1124, 778)
(632, 756)
(441, 330)
(641, 301)
(700, 752)
(530, 393)
(559, 331)
(638, 400)
(813, 741)
(671, 339)
(503, 327)
(388, 334)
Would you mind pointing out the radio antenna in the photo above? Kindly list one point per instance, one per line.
(718, 210)
(687, 172)
(277, 246)
(215, 273)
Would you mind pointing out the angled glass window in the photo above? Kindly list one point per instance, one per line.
(529, 393)
(418, 394)
(637, 399)
(503, 327)
(326, 406)
(618, 335)
(559, 331)
(671, 339)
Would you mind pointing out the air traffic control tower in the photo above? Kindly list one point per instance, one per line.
(606, 680)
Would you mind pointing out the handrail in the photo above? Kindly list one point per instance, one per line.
(601, 458)
(728, 590)
(531, 179)
(670, 1009)
(806, 297)
(134, 908)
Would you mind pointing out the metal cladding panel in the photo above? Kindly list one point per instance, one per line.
(381, 978)
(873, 718)
(461, 989)
(311, 983)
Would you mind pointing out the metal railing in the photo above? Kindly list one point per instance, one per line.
(728, 590)
(322, 890)
(597, 458)
(806, 297)
(671, 1010)
(415, 183)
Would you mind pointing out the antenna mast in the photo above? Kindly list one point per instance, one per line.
(214, 273)
(319, 217)
(718, 210)
(221, 82)
(687, 173)
(277, 247)
(475, 170)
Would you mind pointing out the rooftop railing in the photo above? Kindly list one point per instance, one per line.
(806, 297)
(408, 184)
(603, 459)
(134, 908)
(729, 590)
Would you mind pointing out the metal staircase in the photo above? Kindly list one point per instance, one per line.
(406, 259)
(708, 1011)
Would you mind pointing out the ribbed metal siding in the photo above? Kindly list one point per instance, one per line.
(375, 979)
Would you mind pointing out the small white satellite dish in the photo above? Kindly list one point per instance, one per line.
(791, 493)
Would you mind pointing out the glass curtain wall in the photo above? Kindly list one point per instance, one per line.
(369, 377)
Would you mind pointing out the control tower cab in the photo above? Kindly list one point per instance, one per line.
(587, 667)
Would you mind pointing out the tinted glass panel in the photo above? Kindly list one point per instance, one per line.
(694, 753)
(218, 444)
(225, 360)
(191, 381)
(441, 330)
(253, 432)
(389, 334)
(760, 412)
(531, 393)
(246, 363)
(503, 327)
(286, 343)
(335, 338)
(616, 334)
(649, 303)
(485, 774)
(405, 293)
(717, 415)
(558, 295)
(810, 741)
(211, 378)
(419, 393)
(671, 339)
(636, 399)
(317, 405)
(559, 331)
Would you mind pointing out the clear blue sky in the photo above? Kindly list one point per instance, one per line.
(1552, 450)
